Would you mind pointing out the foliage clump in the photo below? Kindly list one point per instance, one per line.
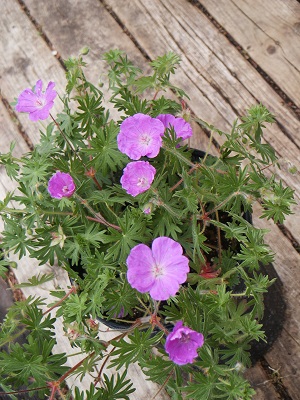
(90, 226)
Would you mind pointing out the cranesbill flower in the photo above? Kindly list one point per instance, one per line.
(137, 177)
(182, 128)
(37, 103)
(61, 185)
(159, 270)
(140, 135)
(182, 344)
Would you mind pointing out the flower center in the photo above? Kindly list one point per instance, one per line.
(185, 338)
(142, 182)
(145, 139)
(40, 102)
(65, 189)
(157, 270)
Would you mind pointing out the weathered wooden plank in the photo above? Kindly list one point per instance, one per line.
(61, 26)
(269, 32)
(261, 383)
(216, 69)
(25, 59)
(284, 359)
(9, 133)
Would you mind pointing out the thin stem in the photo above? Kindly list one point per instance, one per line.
(63, 135)
(64, 376)
(207, 213)
(72, 290)
(100, 221)
(181, 157)
(181, 180)
(23, 390)
(97, 216)
(155, 94)
(53, 391)
(98, 378)
(163, 385)
(238, 294)
(219, 239)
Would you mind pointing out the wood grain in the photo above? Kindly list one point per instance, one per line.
(269, 31)
(25, 59)
(221, 85)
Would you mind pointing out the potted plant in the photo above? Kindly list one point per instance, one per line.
(152, 234)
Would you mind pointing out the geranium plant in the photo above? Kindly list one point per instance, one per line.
(153, 235)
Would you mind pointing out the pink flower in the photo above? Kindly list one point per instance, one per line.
(182, 128)
(37, 103)
(159, 271)
(182, 344)
(137, 177)
(61, 185)
(140, 135)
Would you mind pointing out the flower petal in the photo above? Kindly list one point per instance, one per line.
(168, 254)
(140, 263)
(163, 288)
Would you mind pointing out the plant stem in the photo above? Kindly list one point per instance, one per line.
(98, 378)
(23, 391)
(97, 216)
(181, 180)
(207, 213)
(63, 135)
(62, 378)
(179, 156)
(164, 384)
(72, 290)
(219, 239)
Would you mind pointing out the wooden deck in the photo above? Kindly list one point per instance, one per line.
(234, 53)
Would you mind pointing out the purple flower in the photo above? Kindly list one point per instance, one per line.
(61, 185)
(137, 177)
(182, 128)
(182, 344)
(37, 103)
(159, 271)
(140, 135)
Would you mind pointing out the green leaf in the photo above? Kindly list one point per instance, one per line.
(138, 348)
(36, 280)
(104, 151)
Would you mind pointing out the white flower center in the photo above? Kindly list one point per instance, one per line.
(40, 102)
(157, 270)
(65, 189)
(142, 182)
(145, 139)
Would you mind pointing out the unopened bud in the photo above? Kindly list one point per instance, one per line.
(92, 324)
(58, 238)
(85, 50)
(13, 264)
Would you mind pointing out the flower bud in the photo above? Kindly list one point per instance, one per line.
(84, 51)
